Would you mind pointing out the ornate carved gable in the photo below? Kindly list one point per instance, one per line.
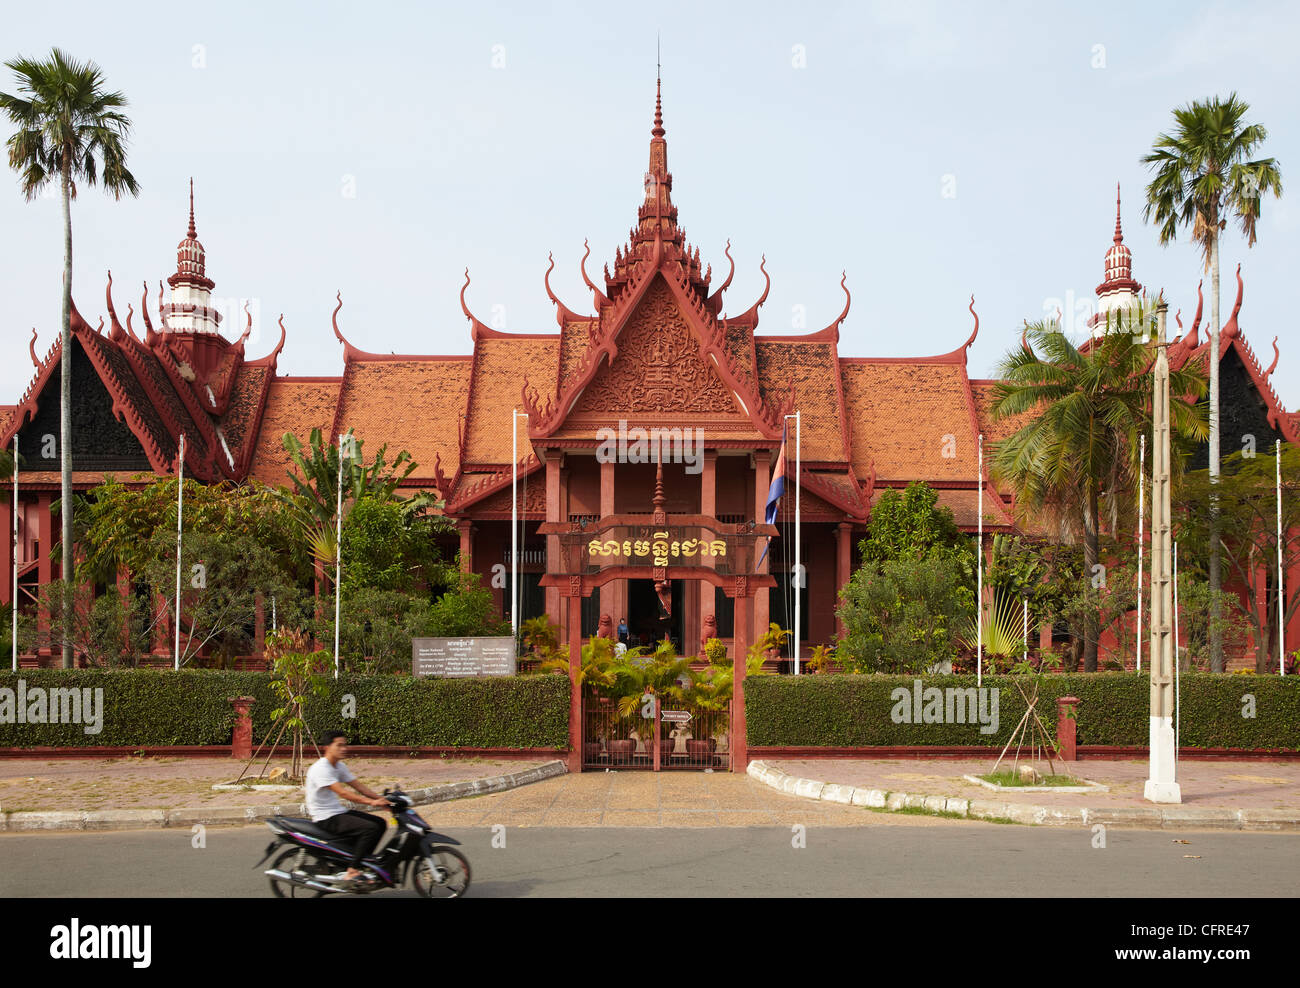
(659, 368)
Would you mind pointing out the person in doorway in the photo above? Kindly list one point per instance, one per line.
(622, 630)
(325, 785)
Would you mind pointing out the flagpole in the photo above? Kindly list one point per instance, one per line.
(979, 577)
(180, 507)
(1142, 460)
(798, 560)
(338, 558)
(1282, 597)
(1178, 707)
(15, 555)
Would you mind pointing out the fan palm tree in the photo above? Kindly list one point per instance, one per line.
(1090, 405)
(69, 130)
(1204, 174)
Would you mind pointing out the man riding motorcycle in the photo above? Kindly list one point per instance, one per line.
(325, 785)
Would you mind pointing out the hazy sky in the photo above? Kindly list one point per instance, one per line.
(379, 149)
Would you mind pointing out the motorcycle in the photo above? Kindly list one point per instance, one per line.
(312, 854)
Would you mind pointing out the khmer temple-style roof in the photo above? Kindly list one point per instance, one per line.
(653, 345)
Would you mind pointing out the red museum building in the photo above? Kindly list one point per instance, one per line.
(659, 352)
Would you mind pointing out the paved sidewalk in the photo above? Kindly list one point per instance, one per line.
(166, 783)
(649, 799)
(1263, 795)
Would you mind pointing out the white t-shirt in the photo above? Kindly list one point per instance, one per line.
(322, 801)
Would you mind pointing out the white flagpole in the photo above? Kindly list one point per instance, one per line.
(1178, 707)
(1282, 597)
(798, 560)
(338, 558)
(514, 523)
(979, 576)
(1025, 632)
(15, 552)
(180, 507)
(1142, 461)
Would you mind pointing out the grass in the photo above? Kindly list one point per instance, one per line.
(1012, 780)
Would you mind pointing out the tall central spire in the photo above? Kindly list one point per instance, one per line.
(658, 212)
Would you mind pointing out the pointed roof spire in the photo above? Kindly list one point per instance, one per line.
(1119, 232)
(191, 233)
(658, 129)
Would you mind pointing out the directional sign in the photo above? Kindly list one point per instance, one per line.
(676, 716)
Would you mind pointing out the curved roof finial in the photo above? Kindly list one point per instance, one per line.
(600, 296)
(247, 329)
(162, 313)
(974, 332)
(334, 318)
(1178, 318)
(731, 272)
(31, 348)
(149, 334)
(767, 281)
(1273, 366)
(279, 346)
(115, 330)
(1231, 329)
(476, 325)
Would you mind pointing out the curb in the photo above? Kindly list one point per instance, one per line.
(1146, 817)
(237, 816)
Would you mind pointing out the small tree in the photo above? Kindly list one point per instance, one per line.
(901, 616)
(299, 675)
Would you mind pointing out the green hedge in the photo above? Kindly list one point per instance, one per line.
(847, 711)
(147, 708)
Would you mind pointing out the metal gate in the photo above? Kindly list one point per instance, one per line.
(655, 737)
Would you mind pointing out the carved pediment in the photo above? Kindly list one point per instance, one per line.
(659, 367)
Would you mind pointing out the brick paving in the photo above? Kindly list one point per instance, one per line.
(1271, 785)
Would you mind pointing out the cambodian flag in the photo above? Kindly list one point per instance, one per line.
(775, 491)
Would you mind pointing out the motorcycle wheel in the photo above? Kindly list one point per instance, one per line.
(443, 873)
(290, 862)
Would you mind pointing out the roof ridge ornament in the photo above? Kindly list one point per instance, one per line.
(600, 296)
(1273, 366)
(31, 348)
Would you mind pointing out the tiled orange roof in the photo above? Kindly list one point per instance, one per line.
(994, 428)
(500, 366)
(412, 405)
(297, 405)
(911, 420)
(813, 368)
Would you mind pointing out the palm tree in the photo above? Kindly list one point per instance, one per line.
(1204, 175)
(1090, 404)
(70, 131)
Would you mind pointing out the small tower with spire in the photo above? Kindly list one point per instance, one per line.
(190, 309)
(1119, 292)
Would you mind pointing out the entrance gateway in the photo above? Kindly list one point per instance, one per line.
(664, 550)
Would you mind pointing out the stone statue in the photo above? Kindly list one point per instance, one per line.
(606, 627)
(710, 630)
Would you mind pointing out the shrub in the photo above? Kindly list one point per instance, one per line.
(848, 710)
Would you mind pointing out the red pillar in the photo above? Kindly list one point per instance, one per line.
(45, 543)
(466, 530)
(554, 512)
(574, 623)
(843, 567)
(241, 741)
(1067, 726)
(7, 558)
(762, 469)
(611, 594)
(739, 745)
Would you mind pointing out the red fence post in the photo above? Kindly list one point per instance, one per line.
(241, 741)
(1066, 726)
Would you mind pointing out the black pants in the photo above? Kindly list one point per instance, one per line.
(365, 828)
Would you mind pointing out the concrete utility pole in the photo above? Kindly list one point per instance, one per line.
(1162, 785)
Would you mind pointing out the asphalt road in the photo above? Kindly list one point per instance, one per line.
(955, 859)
